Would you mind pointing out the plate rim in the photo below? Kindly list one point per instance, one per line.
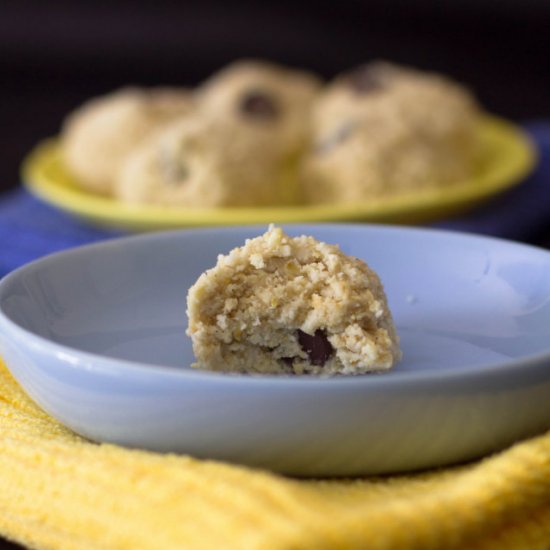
(109, 212)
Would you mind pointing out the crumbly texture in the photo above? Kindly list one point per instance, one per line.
(383, 129)
(240, 149)
(98, 136)
(282, 305)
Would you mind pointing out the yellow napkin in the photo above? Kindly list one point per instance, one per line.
(59, 491)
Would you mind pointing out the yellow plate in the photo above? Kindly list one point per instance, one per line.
(509, 156)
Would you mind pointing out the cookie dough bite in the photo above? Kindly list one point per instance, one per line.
(98, 136)
(267, 107)
(282, 305)
(383, 129)
(197, 162)
(262, 95)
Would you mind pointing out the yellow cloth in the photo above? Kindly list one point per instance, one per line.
(58, 491)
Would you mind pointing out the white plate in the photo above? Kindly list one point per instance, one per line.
(96, 336)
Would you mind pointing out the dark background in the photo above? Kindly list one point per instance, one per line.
(56, 54)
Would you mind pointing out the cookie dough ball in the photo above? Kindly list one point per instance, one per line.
(267, 106)
(99, 135)
(383, 129)
(282, 305)
(259, 95)
(199, 163)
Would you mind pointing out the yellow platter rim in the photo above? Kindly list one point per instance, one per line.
(510, 156)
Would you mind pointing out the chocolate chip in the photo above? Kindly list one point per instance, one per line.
(287, 361)
(337, 137)
(177, 174)
(173, 169)
(366, 79)
(317, 347)
(259, 105)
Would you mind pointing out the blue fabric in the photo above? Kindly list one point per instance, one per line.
(30, 229)
(522, 213)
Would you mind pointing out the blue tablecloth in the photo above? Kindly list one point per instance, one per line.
(30, 229)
